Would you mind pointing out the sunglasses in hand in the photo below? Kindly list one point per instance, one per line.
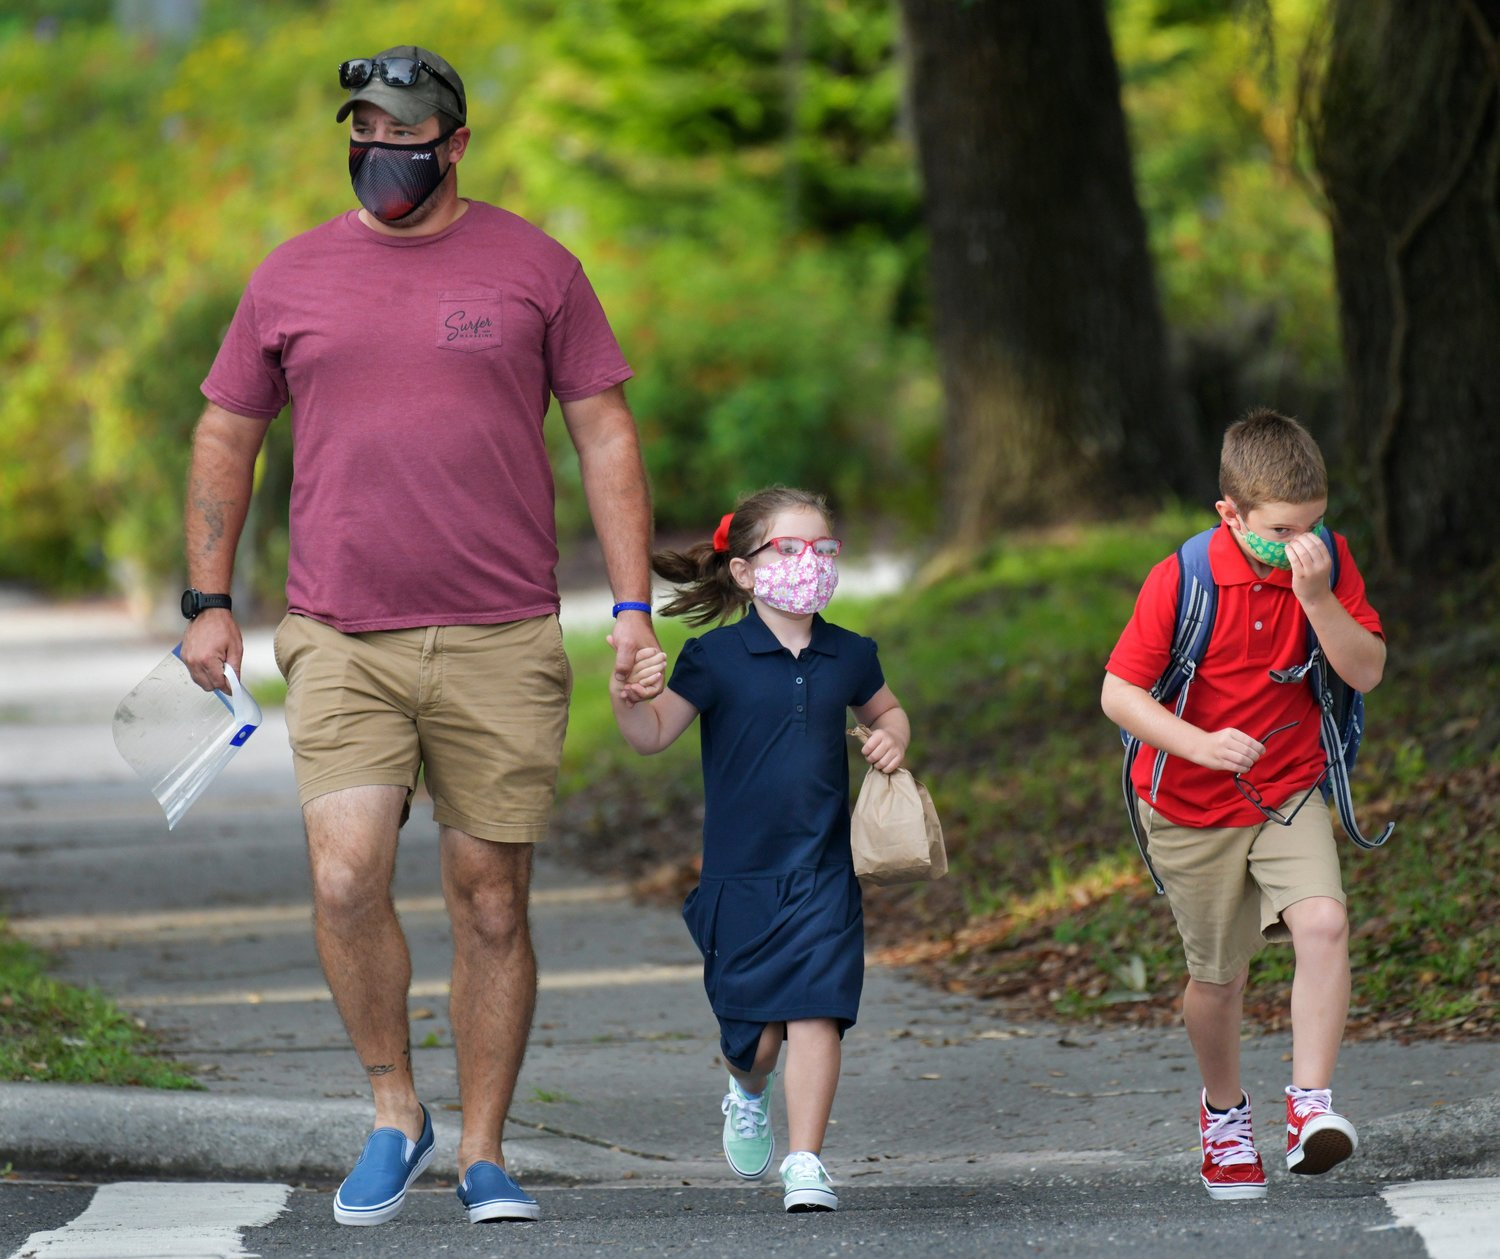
(1252, 793)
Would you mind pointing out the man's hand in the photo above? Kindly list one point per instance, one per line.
(210, 639)
(633, 631)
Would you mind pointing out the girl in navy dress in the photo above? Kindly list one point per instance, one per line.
(776, 913)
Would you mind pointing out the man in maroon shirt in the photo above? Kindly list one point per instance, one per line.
(419, 340)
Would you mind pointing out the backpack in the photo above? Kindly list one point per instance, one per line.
(1341, 707)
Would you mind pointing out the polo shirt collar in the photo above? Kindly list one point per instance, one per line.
(1231, 568)
(759, 641)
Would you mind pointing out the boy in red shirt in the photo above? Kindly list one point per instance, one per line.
(1238, 873)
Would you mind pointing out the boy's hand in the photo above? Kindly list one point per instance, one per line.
(1312, 566)
(647, 676)
(1231, 750)
(884, 751)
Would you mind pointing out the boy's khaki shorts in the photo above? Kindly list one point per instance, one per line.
(1229, 886)
(480, 709)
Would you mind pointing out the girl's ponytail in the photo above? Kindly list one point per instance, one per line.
(706, 591)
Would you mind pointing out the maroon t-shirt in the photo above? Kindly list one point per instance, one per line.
(419, 371)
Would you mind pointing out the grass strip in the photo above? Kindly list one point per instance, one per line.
(55, 1033)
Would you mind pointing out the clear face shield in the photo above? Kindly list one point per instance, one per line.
(179, 737)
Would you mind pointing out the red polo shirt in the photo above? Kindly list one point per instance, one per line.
(1259, 626)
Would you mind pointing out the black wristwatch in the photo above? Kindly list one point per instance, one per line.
(195, 601)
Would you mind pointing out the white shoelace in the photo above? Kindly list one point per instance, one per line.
(804, 1165)
(748, 1114)
(1307, 1102)
(1228, 1138)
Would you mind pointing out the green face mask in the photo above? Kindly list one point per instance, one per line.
(1272, 553)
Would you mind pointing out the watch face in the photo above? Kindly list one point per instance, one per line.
(190, 607)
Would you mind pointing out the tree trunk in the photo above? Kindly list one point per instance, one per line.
(1048, 328)
(1407, 140)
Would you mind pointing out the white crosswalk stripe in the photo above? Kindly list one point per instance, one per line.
(1456, 1219)
(161, 1221)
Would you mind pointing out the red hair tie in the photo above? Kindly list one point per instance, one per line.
(721, 534)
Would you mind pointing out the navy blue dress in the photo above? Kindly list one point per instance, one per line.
(776, 913)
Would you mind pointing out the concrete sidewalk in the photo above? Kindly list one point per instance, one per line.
(203, 932)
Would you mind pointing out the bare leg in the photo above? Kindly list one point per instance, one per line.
(1212, 1013)
(813, 1056)
(493, 994)
(1320, 988)
(351, 845)
(753, 1081)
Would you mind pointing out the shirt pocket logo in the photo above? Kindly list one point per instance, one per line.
(468, 323)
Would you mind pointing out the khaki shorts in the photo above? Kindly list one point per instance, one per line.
(1228, 887)
(481, 710)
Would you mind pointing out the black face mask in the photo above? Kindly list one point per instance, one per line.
(392, 180)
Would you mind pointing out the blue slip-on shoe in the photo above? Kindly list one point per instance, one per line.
(375, 1191)
(488, 1193)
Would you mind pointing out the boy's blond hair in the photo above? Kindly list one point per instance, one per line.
(1270, 458)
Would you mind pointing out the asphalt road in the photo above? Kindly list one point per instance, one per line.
(1053, 1215)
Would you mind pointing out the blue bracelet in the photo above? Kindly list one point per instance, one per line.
(630, 605)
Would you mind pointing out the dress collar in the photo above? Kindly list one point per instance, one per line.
(760, 641)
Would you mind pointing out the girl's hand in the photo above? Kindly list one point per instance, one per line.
(649, 670)
(883, 751)
(647, 676)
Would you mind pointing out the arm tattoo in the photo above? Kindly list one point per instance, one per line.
(212, 512)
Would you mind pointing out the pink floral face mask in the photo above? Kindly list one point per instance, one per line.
(799, 584)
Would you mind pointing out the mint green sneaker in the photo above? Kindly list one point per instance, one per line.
(805, 1184)
(749, 1142)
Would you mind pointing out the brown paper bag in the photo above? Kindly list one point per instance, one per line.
(894, 830)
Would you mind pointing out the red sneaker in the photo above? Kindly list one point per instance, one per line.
(1231, 1167)
(1317, 1137)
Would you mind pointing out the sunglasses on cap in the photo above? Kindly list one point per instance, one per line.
(393, 71)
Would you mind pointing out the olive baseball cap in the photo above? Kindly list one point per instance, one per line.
(438, 87)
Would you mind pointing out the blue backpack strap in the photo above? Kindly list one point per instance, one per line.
(1340, 733)
(1335, 742)
(1197, 603)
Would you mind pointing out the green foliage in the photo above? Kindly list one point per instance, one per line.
(777, 364)
(55, 1033)
(754, 257)
(1239, 236)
